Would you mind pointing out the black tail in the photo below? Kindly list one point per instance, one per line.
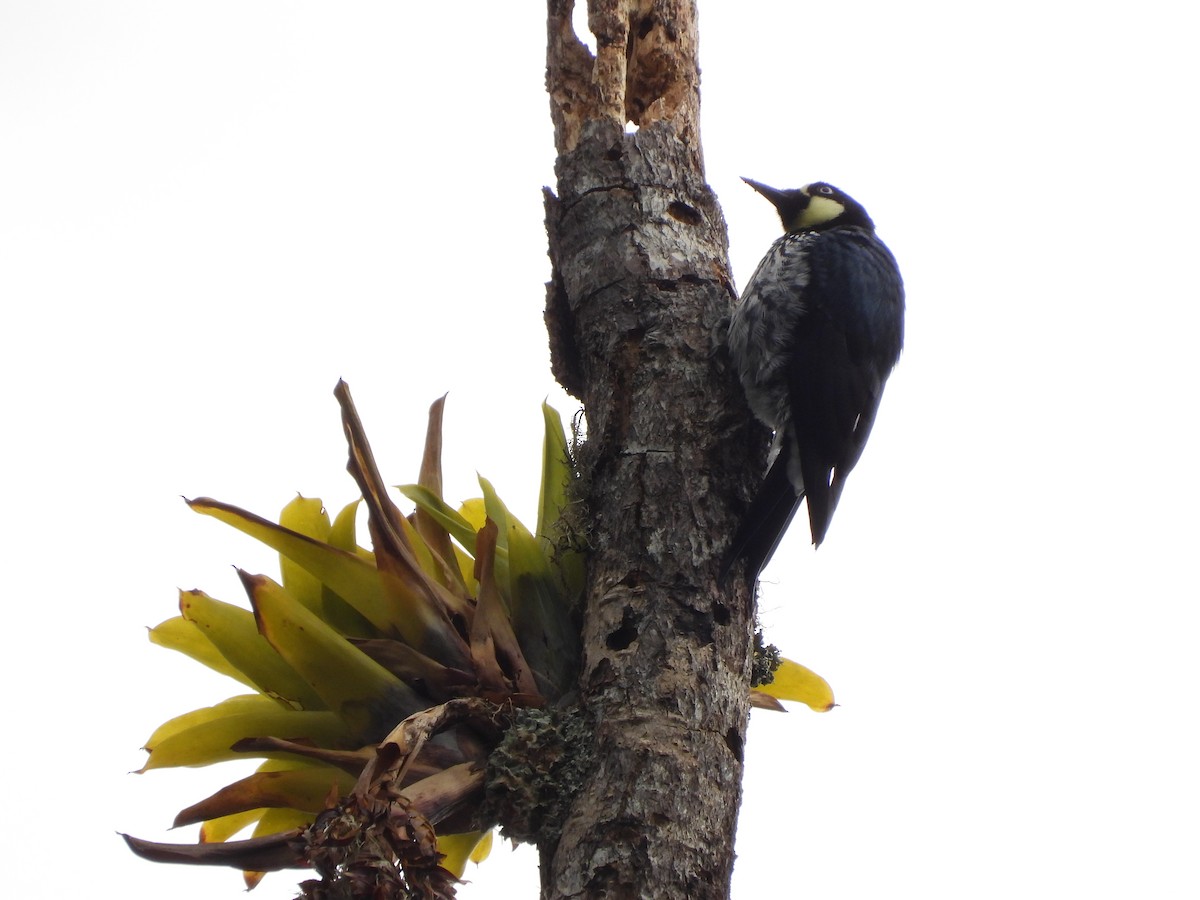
(765, 521)
(824, 479)
(822, 499)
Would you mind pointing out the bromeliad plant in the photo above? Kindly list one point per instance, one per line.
(384, 680)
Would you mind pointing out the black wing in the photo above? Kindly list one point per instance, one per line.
(844, 348)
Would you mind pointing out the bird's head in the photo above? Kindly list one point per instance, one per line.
(815, 207)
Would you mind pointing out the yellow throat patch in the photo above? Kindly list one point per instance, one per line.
(819, 211)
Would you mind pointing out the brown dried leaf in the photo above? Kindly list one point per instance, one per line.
(264, 854)
(394, 552)
(766, 701)
(441, 795)
(351, 761)
(396, 753)
(304, 789)
(430, 677)
(434, 535)
(495, 651)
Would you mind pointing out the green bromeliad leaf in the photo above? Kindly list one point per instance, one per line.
(183, 636)
(496, 511)
(237, 705)
(368, 698)
(233, 631)
(540, 610)
(388, 603)
(462, 524)
(449, 603)
(343, 534)
(441, 512)
(558, 476)
(543, 622)
(304, 516)
(207, 735)
(350, 576)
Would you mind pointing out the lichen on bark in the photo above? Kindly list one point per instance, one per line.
(534, 773)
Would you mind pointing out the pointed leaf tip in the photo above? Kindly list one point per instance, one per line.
(801, 684)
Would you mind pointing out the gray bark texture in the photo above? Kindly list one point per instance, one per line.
(635, 311)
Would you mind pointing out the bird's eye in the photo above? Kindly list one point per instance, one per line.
(826, 190)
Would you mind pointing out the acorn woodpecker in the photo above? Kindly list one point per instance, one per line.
(815, 336)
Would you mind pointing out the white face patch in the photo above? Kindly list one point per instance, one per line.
(819, 211)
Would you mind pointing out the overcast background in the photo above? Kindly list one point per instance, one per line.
(209, 212)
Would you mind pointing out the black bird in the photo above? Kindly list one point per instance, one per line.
(815, 336)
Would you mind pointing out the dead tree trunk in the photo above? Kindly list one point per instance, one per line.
(640, 287)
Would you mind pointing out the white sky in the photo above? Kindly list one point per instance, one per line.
(211, 212)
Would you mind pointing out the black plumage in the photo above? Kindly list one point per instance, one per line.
(815, 336)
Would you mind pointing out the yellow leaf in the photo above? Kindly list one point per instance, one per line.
(461, 848)
(343, 534)
(369, 698)
(440, 512)
(234, 633)
(483, 849)
(222, 828)
(207, 735)
(241, 704)
(557, 476)
(385, 602)
(273, 822)
(474, 512)
(795, 682)
(307, 517)
(183, 636)
(536, 602)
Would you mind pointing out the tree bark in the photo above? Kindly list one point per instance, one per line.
(635, 310)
